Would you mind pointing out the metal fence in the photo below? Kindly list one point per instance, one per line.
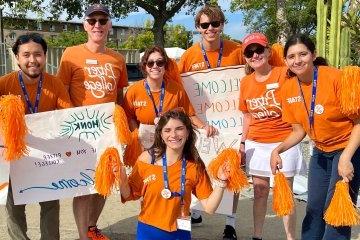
(53, 56)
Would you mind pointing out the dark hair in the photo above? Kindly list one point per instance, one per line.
(29, 37)
(190, 152)
(303, 39)
(146, 55)
(214, 13)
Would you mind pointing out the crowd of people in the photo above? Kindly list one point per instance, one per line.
(302, 98)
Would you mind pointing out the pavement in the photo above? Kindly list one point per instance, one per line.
(118, 221)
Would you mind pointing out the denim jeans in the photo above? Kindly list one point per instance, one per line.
(323, 175)
(16, 219)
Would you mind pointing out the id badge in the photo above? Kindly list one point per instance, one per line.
(184, 223)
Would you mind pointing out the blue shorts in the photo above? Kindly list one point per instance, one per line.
(147, 232)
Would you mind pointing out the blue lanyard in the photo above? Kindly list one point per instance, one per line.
(162, 96)
(182, 183)
(219, 57)
(313, 98)
(26, 95)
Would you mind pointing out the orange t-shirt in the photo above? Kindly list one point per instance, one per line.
(331, 128)
(172, 72)
(263, 101)
(138, 105)
(53, 93)
(146, 181)
(193, 60)
(92, 78)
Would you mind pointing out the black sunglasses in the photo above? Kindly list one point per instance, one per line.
(92, 21)
(214, 24)
(159, 63)
(250, 52)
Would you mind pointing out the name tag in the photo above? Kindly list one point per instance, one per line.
(91, 61)
(272, 86)
(184, 224)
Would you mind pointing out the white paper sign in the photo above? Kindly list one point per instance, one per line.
(63, 149)
(4, 179)
(215, 93)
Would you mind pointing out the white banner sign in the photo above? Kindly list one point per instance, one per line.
(63, 149)
(214, 93)
(4, 178)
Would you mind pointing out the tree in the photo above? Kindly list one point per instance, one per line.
(67, 39)
(278, 18)
(161, 10)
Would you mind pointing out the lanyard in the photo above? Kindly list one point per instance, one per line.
(26, 95)
(313, 98)
(219, 57)
(182, 183)
(162, 95)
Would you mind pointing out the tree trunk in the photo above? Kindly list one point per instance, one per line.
(158, 31)
(282, 22)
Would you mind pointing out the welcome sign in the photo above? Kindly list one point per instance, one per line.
(64, 146)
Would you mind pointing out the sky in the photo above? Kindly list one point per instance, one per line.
(234, 26)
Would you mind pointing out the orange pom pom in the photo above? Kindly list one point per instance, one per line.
(277, 55)
(283, 201)
(13, 127)
(123, 132)
(237, 179)
(349, 90)
(341, 210)
(133, 150)
(105, 177)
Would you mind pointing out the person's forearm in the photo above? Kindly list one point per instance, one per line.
(246, 124)
(125, 189)
(354, 141)
(213, 201)
(197, 121)
(294, 138)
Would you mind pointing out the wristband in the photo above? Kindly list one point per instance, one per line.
(242, 142)
(219, 183)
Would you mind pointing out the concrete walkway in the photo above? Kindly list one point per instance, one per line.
(118, 221)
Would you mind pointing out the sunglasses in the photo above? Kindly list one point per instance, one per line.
(92, 21)
(250, 52)
(214, 24)
(159, 63)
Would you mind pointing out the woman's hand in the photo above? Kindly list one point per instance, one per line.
(345, 167)
(210, 130)
(275, 161)
(224, 171)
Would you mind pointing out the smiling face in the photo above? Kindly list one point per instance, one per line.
(155, 66)
(97, 33)
(299, 59)
(257, 56)
(211, 33)
(31, 59)
(174, 134)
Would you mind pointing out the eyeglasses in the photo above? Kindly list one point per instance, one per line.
(250, 52)
(92, 21)
(159, 63)
(214, 24)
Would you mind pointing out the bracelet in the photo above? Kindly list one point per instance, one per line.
(219, 183)
(242, 142)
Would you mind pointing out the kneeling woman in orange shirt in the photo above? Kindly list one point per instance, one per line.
(145, 100)
(311, 104)
(166, 175)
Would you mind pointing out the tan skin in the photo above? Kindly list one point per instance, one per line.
(174, 134)
(262, 70)
(300, 61)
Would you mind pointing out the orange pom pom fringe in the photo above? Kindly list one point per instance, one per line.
(341, 210)
(13, 127)
(349, 90)
(237, 179)
(105, 177)
(121, 126)
(277, 55)
(133, 150)
(283, 201)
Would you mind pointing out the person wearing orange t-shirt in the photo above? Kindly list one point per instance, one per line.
(263, 128)
(165, 176)
(212, 52)
(40, 92)
(93, 74)
(310, 100)
(146, 100)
